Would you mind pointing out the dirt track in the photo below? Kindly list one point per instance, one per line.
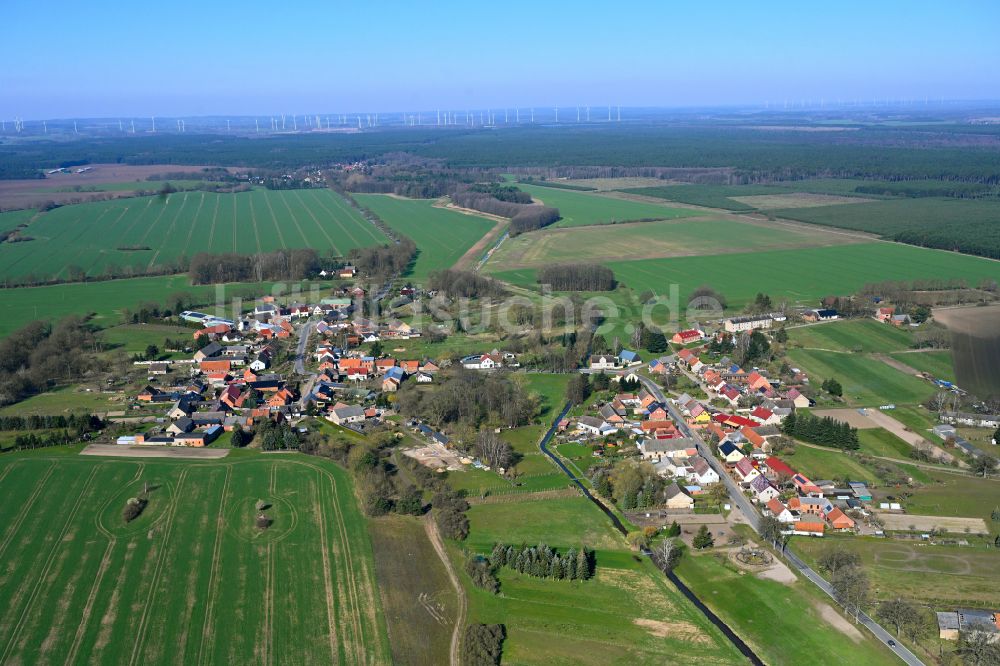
(143, 451)
(456, 634)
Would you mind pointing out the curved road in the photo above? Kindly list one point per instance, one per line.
(754, 518)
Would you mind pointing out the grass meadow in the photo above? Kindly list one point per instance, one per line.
(442, 236)
(866, 335)
(867, 382)
(191, 580)
(937, 362)
(583, 208)
(629, 613)
(99, 236)
(783, 622)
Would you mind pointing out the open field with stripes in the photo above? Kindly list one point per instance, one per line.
(191, 580)
(442, 235)
(147, 233)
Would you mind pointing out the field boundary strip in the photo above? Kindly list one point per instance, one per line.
(88, 608)
(140, 640)
(210, 599)
(57, 544)
(166, 236)
(215, 219)
(341, 204)
(327, 573)
(253, 219)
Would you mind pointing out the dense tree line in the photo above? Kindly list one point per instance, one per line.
(384, 260)
(826, 431)
(482, 644)
(41, 440)
(80, 423)
(296, 264)
(577, 277)
(274, 436)
(40, 355)
(449, 513)
(465, 284)
(542, 561)
(469, 398)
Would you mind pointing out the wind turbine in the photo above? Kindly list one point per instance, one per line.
(227, 125)
(532, 114)
(133, 127)
(619, 113)
(588, 114)
(256, 124)
(557, 114)
(577, 114)
(154, 124)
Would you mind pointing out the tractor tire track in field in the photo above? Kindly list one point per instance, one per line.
(295, 220)
(6, 471)
(211, 232)
(88, 608)
(350, 212)
(235, 226)
(166, 236)
(327, 569)
(194, 223)
(85, 229)
(271, 565)
(46, 568)
(15, 524)
(274, 219)
(354, 610)
(320, 225)
(253, 219)
(157, 570)
(435, 538)
(207, 633)
(167, 203)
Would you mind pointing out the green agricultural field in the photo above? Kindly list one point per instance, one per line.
(135, 338)
(149, 233)
(867, 382)
(442, 236)
(969, 225)
(802, 276)
(938, 362)
(552, 391)
(865, 335)
(105, 301)
(66, 400)
(11, 219)
(192, 579)
(628, 613)
(582, 208)
(628, 242)
(785, 624)
(723, 196)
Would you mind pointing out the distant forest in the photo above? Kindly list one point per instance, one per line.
(958, 152)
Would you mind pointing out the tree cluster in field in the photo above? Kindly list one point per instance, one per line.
(134, 507)
(383, 261)
(482, 573)
(706, 297)
(482, 644)
(296, 264)
(751, 347)
(577, 277)
(502, 192)
(465, 284)
(761, 304)
(542, 561)
(469, 398)
(404, 175)
(274, 436)
(524, 217)
(493, 450)
(821, 430)
(703, 538)
(449, 513)
(632, 484)
(833, 387)
(40, 355)
(950, 189)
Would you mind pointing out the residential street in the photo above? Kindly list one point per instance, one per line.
(753, 519)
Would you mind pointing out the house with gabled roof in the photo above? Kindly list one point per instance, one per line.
(779, 511)
(808, 528)
(744, 470)
(730, 453)
(704, 474)
(603, 362)
(677, 497)
(799, 400)
(763, 490)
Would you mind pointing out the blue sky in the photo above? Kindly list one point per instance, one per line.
(96, 57)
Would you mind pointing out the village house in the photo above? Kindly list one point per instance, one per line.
(808, 528)
(347, 414)
(730, 453)
(750, 323)
(763, 490)
(779, 511)
(657, 449)
(745, 472)
(677, 497)
(688, 336)
(603, 362)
